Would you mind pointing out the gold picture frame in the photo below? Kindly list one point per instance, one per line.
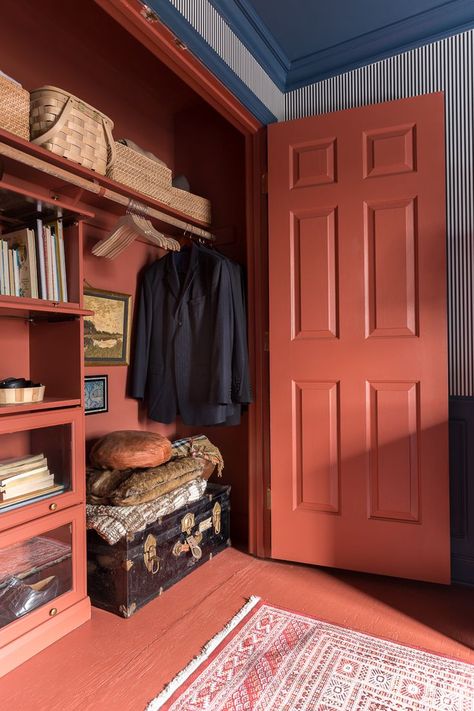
(107, 330)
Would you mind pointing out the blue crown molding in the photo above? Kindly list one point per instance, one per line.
(450, 18)
(244, 21)
(421, 29)
(178, 24)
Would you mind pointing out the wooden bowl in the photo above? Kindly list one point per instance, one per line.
(20, 396)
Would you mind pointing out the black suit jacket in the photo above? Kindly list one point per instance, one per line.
(184, 339)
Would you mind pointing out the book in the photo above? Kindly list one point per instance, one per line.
(62, 261)
(14, 478)
(13, 462)
(23, 241)
(42, 288)
(16, 271)
(2, 280)
(48, 263)
(27, 488)
(6, 270)
(32, 497)
(54, 263)
(11, 276)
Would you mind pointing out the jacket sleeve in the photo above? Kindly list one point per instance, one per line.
(142, 341)
(241, 391)
(223, 333)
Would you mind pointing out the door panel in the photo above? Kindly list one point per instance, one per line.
(358, 354)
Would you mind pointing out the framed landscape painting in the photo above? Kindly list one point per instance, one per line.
(107, 330)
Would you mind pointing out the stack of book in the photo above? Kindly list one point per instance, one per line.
(26, 478)
(33, 262)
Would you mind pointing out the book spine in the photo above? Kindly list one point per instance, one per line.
(40, 259)
(11, 275)
(23, 272)
(32, 262)
(62, 253)
(57, 254)
(6, 268)
(2, 277)
(16, 274)
(47, 255)
(54, 264)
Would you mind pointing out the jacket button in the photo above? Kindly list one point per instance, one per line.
(180, 323)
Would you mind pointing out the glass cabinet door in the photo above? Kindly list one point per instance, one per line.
(42, 571)
(41, 465)
(34, 571)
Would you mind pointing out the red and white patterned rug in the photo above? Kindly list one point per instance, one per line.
(268, 658)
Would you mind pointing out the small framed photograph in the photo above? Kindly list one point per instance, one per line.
(96, 397)
(107, 329)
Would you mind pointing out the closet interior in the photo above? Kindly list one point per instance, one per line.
(86, 52)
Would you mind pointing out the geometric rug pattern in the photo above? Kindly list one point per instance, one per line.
(276, 660)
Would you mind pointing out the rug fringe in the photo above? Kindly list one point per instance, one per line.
(204, 654)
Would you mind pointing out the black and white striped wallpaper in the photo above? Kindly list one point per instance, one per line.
(446, 65)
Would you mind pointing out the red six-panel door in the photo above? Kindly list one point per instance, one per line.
(358, 353)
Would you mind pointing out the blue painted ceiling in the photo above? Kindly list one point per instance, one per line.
(299, 42)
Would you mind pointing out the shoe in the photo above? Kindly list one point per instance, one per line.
(17, 598)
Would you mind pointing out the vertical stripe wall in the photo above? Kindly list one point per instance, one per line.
(446, 65)
(207, 22)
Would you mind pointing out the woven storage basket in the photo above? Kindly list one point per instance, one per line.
(14, 108)
(191, 205)
(140, 173)
(67, 126)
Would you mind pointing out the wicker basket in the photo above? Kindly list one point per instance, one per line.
(67, 126)
(14, 108)
(191, 205)
(141, 173)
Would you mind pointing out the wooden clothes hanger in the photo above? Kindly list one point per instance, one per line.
(133, 224)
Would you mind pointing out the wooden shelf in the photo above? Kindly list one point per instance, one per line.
(60, 188)
(48, 403)
(10, 306)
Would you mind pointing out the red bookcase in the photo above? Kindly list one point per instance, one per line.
(44, 539)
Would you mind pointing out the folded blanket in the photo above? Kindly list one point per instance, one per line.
(114, 522)
(198, 446)
(149, 484)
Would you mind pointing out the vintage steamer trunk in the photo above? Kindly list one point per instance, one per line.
(125, 576)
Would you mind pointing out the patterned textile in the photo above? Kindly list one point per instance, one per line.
(198, 446)
(114, 522)
(280, 660)
(26, 557)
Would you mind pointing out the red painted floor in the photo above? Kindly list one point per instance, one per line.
(110, 664)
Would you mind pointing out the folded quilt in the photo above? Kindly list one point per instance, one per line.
(198, 446)
(114, 522)
(149, 484)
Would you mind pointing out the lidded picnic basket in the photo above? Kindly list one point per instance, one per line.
(69, 127)
(14, 107)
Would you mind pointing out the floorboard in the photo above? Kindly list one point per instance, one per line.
(111, 664)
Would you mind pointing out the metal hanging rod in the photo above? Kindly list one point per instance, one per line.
(96, 188)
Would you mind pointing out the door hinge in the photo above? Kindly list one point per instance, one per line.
(266, 342)
(269, 498)
(264, 183)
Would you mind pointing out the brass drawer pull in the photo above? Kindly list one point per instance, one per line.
(53, 507)
(53, 611)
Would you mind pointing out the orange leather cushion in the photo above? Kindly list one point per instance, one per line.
(130, 449)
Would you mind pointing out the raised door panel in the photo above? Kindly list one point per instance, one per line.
(316, 446)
